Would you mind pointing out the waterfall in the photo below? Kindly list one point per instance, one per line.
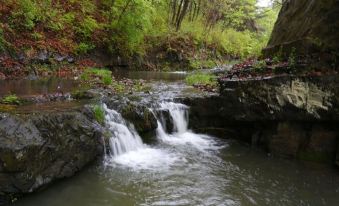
(181, 136)
(179, 115)
(124, 138)
(127, 148)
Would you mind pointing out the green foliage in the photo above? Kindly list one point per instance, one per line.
(102, 76)
(27, 14)
(11, 99)
(201, 79)
(99, 114)
(83, 48)
(87, 26)
(130, 21)
(133, 27)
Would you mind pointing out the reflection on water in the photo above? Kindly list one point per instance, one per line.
(25, 87)
(149, 75)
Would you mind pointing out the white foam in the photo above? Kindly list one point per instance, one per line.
(199, 141)
(147, 159)
(179, 114)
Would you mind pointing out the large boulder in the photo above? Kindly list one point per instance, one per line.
(310, 26)
(37, 149)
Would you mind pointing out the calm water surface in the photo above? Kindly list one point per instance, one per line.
(26, 87)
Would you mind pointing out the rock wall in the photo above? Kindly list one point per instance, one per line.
(294, 117)
(38, 149)
(311, 26)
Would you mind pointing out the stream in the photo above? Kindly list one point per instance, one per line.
(185, 168)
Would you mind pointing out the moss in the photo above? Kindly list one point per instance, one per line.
(99, 114)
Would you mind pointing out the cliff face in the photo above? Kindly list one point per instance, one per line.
(310, 26)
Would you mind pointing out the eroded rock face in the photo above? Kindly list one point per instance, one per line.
(37, 149)
(293, 117)
(310, 26)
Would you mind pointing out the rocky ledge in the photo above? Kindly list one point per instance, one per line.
(38, 149)
(289, 116)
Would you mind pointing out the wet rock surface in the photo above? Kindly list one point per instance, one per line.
(38, 149)
(292, 117)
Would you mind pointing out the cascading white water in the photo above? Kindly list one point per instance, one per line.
(127, 148)
(179, 114)
(124, 139)
(181, 135)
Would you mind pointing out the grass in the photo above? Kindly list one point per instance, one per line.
(99, 113)
(11, 99)
(103, 75)
(201, 64)
(201, 79)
